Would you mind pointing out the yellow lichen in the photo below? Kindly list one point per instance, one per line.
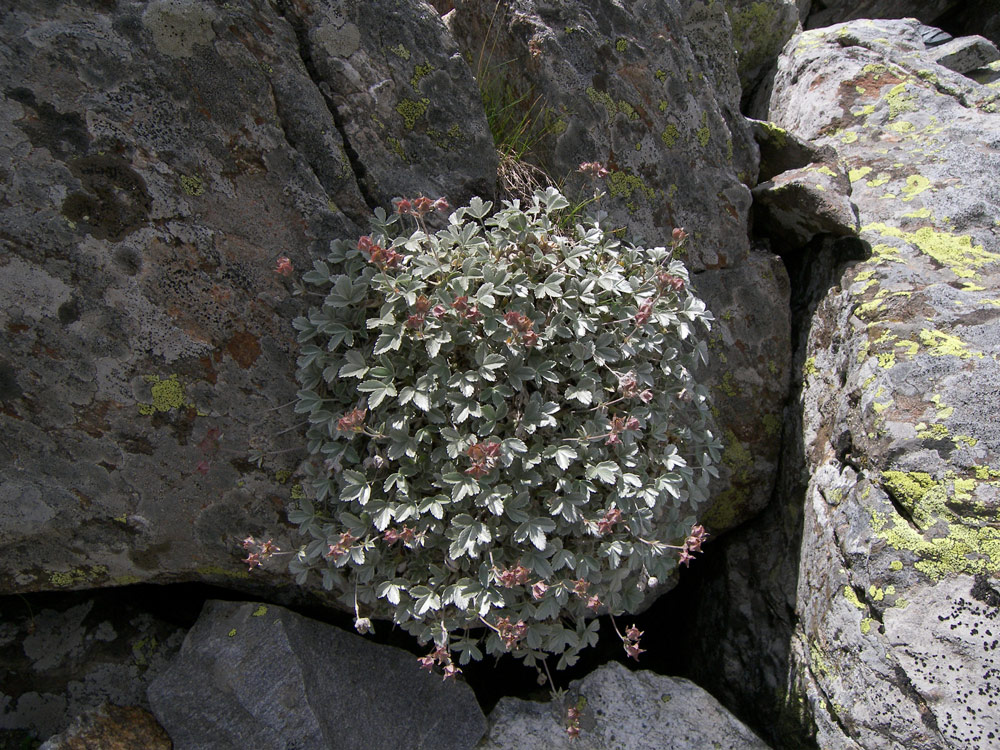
(940, 344)
(915, 184)
(411, 111)
(900, 101)
(192, 185)
(852, 597)
(955, 252)
(669, 135)
(945, 542)
(166, 395)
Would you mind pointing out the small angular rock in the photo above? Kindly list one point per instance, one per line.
(965, 54)
(254, 675)
(619, 708)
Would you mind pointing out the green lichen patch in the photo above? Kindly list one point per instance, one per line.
(78, 576)
(852, 597)
(778, 135)
(940, 344)
(192, 185)
(625, 185)
(955, 252)
(915, 185)
(419, 72)
(858, 174)
(944, 542)
(669, 135)
(400, 51)
(167, 395)
(900, 101)
(703, 134)
(412, 110)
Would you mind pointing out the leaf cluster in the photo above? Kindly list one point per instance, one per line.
(504, 422)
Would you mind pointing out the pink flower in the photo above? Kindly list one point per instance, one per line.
(594, 169)
(515, 576)
(644, 313)
(538, 590)
(283, 267)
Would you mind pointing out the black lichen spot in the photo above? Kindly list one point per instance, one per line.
(115, 202)
(985, 593)
(69, 312)
(128, 260)
(64, 134)
(9, 389)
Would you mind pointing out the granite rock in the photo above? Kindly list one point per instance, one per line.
(254, 675)
(621, 708)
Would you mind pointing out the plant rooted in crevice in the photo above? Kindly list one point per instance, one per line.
(506, 430)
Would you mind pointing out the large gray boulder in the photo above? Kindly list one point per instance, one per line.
(253, 675)
(621, 709)
(156, 160)
(885, 609)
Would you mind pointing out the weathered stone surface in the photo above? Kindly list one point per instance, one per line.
(252, 675)
(760, 30)
(59, 663)
(781, 151)
(891, 605)
(799, 204)
(749, 354)
(621, 86)
(656, 101)
(404, 98)
(709, 32)
(112, 728)
(619, 708)
(965, 54)
(156, 159)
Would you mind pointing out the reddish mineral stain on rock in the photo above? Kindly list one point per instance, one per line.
(244, 348)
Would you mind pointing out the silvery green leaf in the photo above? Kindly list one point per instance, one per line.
(389, 590)
(564, 456)
(355, 366)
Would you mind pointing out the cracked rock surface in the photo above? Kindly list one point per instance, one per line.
(888, 601)
(156, 159)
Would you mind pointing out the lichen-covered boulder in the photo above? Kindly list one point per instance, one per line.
(888, 605)
(651, 91)
(621, 708)
(156, 160)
